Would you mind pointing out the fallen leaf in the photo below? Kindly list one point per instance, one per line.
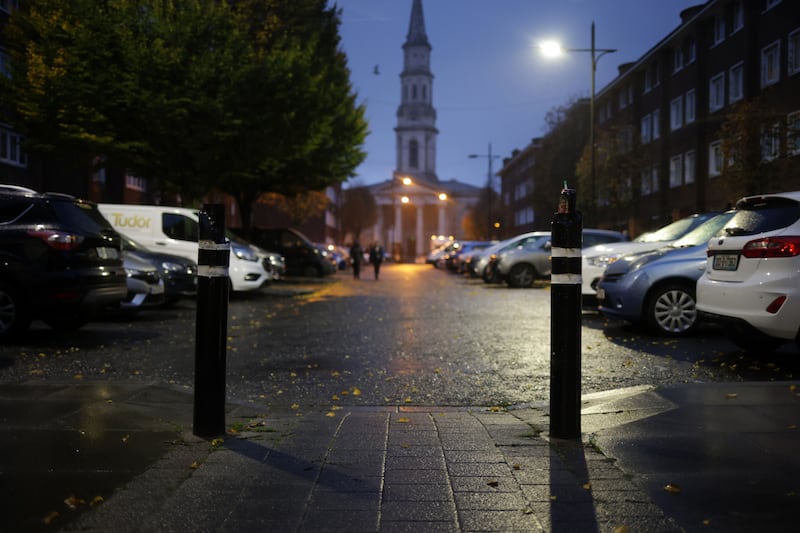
(356, 391)
(295, 406)
(731, 396)
(77, 377)
(216, 443)
(403, 420)
(335, 397)
(516, 467)
(672, 488)
(126, 438)
(195, 465)
(330, 414)
(73, 502)
(493, 483)
(587, 486)
(621, 529)
(50, 518)
(97, 500)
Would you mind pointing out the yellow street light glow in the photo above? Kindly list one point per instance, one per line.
(442, 196)
(404, 199)
(407, 181)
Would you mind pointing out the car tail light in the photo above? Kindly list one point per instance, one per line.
(58, 240)
(770, 247)
(776, 304)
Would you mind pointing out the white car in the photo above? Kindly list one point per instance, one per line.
(752, 276)
(596, 258)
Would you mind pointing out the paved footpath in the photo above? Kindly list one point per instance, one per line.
(111, 457)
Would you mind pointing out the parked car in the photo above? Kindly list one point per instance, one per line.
(145, 286)
(657, 288)
(452, 259)
(522, 265)
(60, 261)
(435, 257)
(179, 274)
(301, 256)
(751, 281)
(595, 259)
(464, 259)
(480, 261)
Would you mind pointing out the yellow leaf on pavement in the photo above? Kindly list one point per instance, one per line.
(672, 488)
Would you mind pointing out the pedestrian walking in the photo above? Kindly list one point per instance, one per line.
(376, 257)
(356, 256)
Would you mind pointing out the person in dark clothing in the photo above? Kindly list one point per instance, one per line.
(376, 257)
(356, 256)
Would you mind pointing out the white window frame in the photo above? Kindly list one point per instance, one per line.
(692, 55)
(679, 60)
(719, 29)
(11, 151)
(738, 16)
(645, 129)
(793, 52)
(688, 167)
(689, 107)
(676, 113)
(676, 171)
(793, 133)
(646, 182)
(771, 63)
(656, 122)
(736, 82)
(716, 92)
(715, 159)
(656, 185)
(771, 141)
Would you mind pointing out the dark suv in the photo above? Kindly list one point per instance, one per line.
(60, 261)
(302, 257)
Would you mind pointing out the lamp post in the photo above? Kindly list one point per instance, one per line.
(552, 49)
(489, 190)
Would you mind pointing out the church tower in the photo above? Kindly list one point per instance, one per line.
(416, 117)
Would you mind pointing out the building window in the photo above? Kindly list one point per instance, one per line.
(770, 141)
(9, 5)
(715, 158)
(626, 96)
(676, 171)
(645, 127)
(679, 60)
(736, 83)
(692, 52)
(656, 122)
(793, 133)
(688, 167)
(625, 140)
(771, 64)
(647, 179)
(413, 154)
(414, 92)
(738, 16)
(676, 113)
(5, 63)
(689, 107)
(716, 92)
(134, 183)
(793, 61)
(719, 29)
(11, 151)
(654, 174)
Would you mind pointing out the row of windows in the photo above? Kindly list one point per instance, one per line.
(415, 91)
(11, 151)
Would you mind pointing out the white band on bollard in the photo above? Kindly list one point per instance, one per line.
(565, 279)
(206, 271)
(565, 252)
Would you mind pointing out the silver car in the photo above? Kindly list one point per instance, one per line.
(522, 265)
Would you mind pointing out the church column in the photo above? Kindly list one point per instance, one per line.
(377, 229)
(420, 230)
(398, 224)
(440, 226)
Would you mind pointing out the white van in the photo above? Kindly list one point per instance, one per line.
(175, 230)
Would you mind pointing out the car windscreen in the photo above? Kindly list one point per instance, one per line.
(705, 231)
(80, 216)
(670, 232)
(763, 214)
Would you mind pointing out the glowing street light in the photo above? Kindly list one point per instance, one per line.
(554, 49)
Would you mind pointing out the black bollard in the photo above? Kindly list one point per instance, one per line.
(565, 319)
(213, 284)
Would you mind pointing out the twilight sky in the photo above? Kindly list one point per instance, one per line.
(490, 84)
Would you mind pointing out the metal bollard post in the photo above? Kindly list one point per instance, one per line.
(213, 258)
(565, 319)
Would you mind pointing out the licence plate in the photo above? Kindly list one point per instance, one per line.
(107, 253)
(725, 262)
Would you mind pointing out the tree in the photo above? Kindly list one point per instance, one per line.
(245, 97)
(300, 207)
(358, 210)
(750, 145)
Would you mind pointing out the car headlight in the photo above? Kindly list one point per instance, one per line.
(244, 252)
(602, 261)
(168, 266)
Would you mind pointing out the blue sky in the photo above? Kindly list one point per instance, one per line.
(490, 84)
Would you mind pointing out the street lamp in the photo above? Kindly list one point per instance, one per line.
(490, 157)
(553, 49)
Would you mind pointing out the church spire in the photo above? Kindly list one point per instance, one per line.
(416, 117)
(416, 26)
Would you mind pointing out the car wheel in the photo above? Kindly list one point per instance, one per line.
(521, 276)
(67, 323)
(671, 310)
(312, 272)
(756, 344)
(15, 315)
